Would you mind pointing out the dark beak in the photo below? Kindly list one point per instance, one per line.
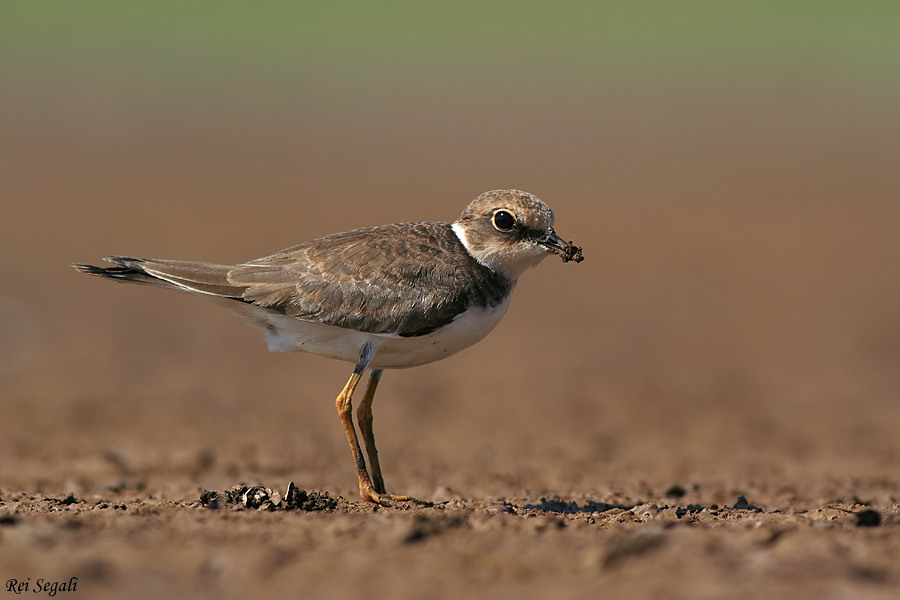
(567, 250)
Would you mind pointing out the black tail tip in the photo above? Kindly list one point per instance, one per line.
(126, 262)
(123, 272)
(89, 269)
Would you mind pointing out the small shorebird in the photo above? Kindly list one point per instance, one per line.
(384, 297)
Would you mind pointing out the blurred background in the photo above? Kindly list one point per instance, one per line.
(731, 170)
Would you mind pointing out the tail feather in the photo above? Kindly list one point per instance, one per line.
(121, 273)
(205, 278)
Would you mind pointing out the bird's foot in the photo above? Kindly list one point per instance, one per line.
(390, 500)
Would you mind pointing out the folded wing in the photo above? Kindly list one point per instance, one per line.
(364, 279)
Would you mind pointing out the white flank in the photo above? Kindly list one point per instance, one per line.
(291, 334)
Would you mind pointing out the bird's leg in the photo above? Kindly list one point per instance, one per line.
(344, 406)
(364, 417)
(345, 413)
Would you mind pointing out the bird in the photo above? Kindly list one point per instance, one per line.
(383, 297)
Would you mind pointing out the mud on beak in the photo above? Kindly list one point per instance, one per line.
(567, 250)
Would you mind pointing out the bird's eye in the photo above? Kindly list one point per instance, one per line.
(503, 220)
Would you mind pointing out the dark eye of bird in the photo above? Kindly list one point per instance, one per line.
(503, 221)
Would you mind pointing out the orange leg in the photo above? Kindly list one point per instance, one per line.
(367, 490)
(364, 418)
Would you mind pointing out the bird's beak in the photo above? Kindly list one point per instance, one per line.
(567, 250)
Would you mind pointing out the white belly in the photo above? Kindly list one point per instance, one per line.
(291, 334)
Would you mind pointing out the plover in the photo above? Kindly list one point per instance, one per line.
(385, 297)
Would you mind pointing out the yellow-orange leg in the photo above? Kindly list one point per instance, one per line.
(344, 405)
(364, 418)
(345, 413)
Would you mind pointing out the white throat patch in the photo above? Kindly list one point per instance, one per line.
(461, 234)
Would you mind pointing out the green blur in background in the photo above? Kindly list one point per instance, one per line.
(484, 94)
(575, 43)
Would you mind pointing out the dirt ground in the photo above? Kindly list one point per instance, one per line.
(708, 406)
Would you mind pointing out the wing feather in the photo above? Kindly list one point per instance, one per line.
(406, 279)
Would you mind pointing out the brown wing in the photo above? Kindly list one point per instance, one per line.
(408, 279)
